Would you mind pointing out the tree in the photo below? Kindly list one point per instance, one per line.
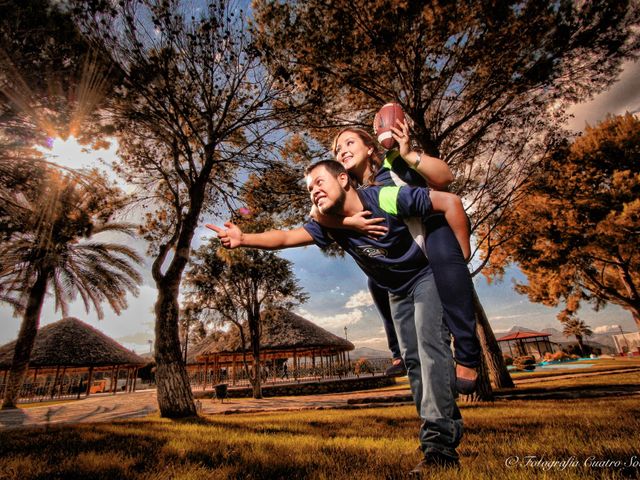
(50, 86)
(193, 118)
(578, 225)
(51, 82)
(239, 286)
(48, 251)
(577, 328)
(486, 84)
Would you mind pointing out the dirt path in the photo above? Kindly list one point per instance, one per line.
(104, 408)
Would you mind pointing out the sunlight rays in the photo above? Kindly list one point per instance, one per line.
(69, 153)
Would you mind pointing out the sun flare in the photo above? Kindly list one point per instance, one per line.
(69, 153)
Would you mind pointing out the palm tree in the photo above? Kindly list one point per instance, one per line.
(50, 250)
(577, 328)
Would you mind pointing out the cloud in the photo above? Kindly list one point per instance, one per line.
(624, 95)
(507, 317)
(607, 329)
(377, 343)
(361, 298)
(371, 341)
(334, 323)
(139, 338)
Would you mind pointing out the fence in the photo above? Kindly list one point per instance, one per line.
(200, 379)
(71, 385)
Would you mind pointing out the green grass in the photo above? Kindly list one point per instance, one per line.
(610, 379)
(375, 443)
(599, 365)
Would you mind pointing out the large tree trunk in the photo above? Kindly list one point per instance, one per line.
(497, 369)
(254, 329)
(25, 341)
(175, 398)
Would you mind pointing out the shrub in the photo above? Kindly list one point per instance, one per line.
(508, 360)
(363, 366)
(526, 362)
(560, 356)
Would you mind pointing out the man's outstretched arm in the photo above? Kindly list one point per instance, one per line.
(232, 237)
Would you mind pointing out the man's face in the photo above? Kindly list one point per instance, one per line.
(327, 194)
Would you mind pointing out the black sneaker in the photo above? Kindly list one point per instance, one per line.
(396, 370)
(434, 460)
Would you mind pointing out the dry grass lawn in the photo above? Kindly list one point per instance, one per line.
(508, 438)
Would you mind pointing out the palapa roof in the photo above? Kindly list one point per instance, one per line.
(281, 330)
(70, 342)
(522, 335)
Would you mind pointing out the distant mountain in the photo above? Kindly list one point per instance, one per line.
(552, 331)
(365, 352)
(518, 328)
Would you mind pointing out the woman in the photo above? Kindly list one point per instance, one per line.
(445, 238)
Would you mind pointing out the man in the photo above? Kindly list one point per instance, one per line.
(397, 264)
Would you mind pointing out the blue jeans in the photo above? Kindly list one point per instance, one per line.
(425, 347)
(455, 290)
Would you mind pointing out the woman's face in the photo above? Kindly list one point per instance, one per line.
(351, 151)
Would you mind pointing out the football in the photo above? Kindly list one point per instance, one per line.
(384, 120)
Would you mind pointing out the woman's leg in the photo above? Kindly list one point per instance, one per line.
(455, 289)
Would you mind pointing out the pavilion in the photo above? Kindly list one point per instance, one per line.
(527, 343)
(290, 347)
(71, 358)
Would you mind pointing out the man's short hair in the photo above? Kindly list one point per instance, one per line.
(334, 167)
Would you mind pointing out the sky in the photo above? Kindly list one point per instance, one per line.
(336, 287)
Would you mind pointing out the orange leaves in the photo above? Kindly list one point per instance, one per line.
(579, 222)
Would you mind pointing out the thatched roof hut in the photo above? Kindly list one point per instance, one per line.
(282, 331)
(284, 336)
(69, 352)
(72, 343)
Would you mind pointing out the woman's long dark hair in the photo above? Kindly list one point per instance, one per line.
(375, 160)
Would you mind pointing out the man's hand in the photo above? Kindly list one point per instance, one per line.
(230, 237)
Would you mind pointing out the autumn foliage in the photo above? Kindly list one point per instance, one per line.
(576, 231)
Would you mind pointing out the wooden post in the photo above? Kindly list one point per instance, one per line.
(206, 370)
(113, 373)
(55, 382)
(295, 364)
(60, 384)
(89, 381)
(233, 379)
(129, 383)
(135, 378)
(79, 387)
(114, 386)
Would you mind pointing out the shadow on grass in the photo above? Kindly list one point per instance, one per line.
(363, 444)
(377, 423)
